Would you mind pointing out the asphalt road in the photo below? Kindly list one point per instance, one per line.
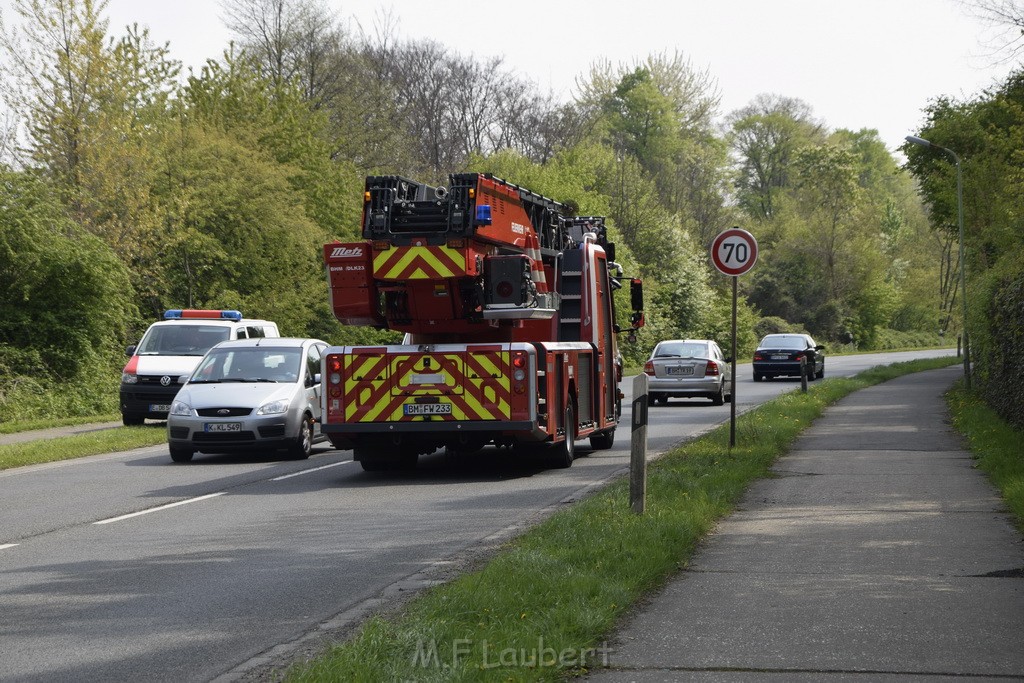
(128, 566)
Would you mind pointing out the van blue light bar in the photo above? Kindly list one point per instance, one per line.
(195, 313)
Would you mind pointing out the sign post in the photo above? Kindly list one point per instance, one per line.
(733, 252)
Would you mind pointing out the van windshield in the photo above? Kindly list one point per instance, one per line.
(181, 340)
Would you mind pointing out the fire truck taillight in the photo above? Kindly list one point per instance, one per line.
(334, 370)
(519, 363)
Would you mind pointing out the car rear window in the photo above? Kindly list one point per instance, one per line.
(782, 343)
(685, 350)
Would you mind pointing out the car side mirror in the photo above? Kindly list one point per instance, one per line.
(819, 347)
(316, 379)
(182, 379)
(130, 350)
(728, 359)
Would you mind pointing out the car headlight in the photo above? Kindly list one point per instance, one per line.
(273, 408)
(128, 378)
(181, 408)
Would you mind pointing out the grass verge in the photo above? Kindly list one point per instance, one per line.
(994, 444)
(80, 445)
(540, 609)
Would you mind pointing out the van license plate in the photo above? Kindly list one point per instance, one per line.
(428, 408)
(223, 426)
(159, 408)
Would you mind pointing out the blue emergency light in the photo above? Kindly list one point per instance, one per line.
(483, 214)
(193, 313)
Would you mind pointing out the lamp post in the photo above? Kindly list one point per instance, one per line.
(963, 264)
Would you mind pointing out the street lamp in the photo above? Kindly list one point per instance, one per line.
(963, 265)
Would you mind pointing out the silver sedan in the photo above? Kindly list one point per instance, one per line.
(247, 395)
(688, 368)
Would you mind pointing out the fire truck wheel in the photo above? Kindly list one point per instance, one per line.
(302, 446)
(563, 453)
(603, 440)
(181, 453)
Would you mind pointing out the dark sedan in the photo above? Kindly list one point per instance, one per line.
(780, 355)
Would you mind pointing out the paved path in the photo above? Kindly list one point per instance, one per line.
(877, 553)
(35, 434)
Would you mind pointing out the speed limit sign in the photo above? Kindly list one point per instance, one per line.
(734, 251)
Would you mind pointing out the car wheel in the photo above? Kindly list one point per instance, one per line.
(758, 377)
(181, 453)
(810, 373)
(564, 452)
(719, 398)
(130, 420)
(301, 448)
(821, 373)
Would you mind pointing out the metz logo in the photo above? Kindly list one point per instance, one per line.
(346, 252)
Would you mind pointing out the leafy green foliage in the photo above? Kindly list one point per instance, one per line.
(65, 302)
(987, 135)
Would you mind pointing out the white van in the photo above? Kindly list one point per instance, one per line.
(172, 348)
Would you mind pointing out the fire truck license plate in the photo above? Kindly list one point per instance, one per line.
(680, 370)
(223, 426)
(428, 408)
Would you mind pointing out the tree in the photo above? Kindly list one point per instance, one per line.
(65, 298)
(1006, 19)
(765, 136)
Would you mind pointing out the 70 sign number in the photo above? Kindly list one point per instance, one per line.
(734, 251)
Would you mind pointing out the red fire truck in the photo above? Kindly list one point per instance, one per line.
(507, 308)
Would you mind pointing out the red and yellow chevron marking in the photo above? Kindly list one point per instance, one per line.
(419, 263)
(476, 384)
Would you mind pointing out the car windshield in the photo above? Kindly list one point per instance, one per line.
(181, 340)
(252, 364)
(682, 350)
(783, 343)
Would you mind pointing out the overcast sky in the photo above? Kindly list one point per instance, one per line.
(857, 63)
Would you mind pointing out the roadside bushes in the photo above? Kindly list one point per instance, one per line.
(997, 342)
(65, 303)
(887, 339)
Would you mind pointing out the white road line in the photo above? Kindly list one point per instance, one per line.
(162, 507)
(5, 546)
(315, 469)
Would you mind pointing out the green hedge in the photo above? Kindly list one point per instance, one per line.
(997, 319)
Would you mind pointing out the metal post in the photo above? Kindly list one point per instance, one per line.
(963, 262)
(963, 267)
(732, 402)
(638, 447)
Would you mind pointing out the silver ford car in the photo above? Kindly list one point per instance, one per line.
(250, 395)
